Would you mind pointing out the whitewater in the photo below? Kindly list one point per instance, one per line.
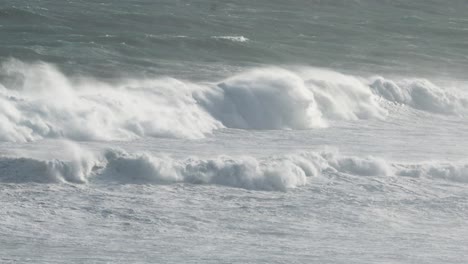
(233, 132)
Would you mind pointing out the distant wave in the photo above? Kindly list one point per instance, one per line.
(200, 40)
(38, 101)
(274, 173)
(232, 38)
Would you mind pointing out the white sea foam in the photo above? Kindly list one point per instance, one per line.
(232, 38)
(341, 96)
(268, 173)
(275, 98)
(243, 172)
(264, 99)
(38, 101)
(273, 173)
(448, 171)
(423, 95)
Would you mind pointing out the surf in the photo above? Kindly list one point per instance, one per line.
(38, 101)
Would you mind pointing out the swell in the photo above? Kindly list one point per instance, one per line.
(274, 173)
(38, 101)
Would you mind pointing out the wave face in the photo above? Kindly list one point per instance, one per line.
(38, 101)
(273, 173)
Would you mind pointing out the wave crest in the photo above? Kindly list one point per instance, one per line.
(422, 95)
(77, 166)
(264, 99)
(274, 173)
(38, 101)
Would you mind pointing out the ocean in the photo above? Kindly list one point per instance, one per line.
(262, 131)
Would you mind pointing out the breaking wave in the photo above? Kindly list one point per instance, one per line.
(274, 173)
(77, 166)
(423, 95)
(38, 101)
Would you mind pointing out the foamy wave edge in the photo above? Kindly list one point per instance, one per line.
(274, 173)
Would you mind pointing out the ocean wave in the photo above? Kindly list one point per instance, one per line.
(422, 95)
(38, 101)
(77, 166)
(274, 173)
(264, 99)
(243, 172)
(446, 171)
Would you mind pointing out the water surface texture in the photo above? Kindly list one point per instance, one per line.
(233, 131)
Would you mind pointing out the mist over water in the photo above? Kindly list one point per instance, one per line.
(233, 131)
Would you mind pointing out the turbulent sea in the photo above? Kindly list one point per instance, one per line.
(266, 131)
